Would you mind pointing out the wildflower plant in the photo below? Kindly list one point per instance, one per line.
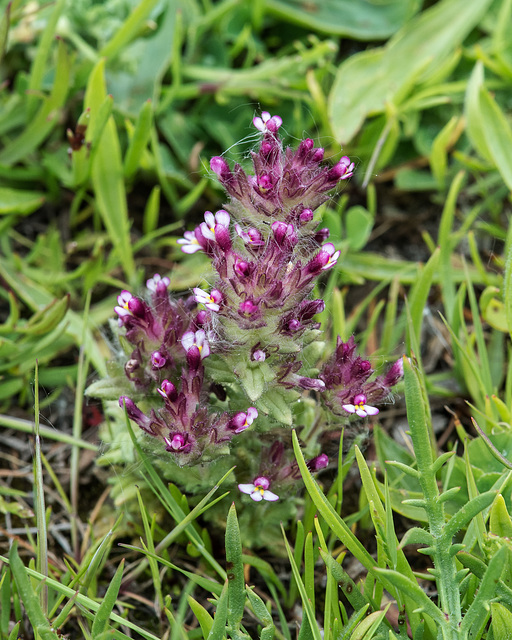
(231, 368)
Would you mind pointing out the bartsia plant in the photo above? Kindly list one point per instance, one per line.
(227, 371)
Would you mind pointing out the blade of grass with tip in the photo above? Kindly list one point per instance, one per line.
(102, 617)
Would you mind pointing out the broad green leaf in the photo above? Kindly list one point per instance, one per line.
(358, 226)
(361, 20)
(369, 80)
(19, 201)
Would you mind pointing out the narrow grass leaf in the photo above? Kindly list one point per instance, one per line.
(468, 512)
(367, 628)
(28, 596)
(4, 30)
(139, 140)
(336, 524)
(38, 68)
(25, 426)
(235, 571)
(498, 135)
(203, 617)
(153, 565)
(416, 593)
(309, 569)
(88, 603)
(315, 633)
(42, 540)
(478, 613)
(261, 611)
(5, 601)
(41, 125)
(131, 27)
(107, 173)
(475, 126)
(419, 294)
(102, 616)
(218, 630)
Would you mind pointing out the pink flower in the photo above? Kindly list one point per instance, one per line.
(267, 122)
(198, 340)
(211, 300)
(259, 490)
(360, 407)
(242, 420)
(189, 242)
(157, 282)
(209, 226)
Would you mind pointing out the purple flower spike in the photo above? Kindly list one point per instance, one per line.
(258, 490)
(210, 300)
(267, 122)
(241, 421)
(189, 243)
(360, 407)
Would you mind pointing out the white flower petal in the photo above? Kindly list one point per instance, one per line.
(271, 497)
(246, 488)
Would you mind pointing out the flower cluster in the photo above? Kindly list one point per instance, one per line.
(244, 350)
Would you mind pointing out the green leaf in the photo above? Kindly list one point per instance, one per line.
(468, 512)
(500, 523)
(100, 623)
(276, 402)
(478, 613)
(218, 630)
(379, 76)
(414, 591)
(139, 140)
(235, 571)
(415, 535)
(362, 20)
(501, 621)
(314, 631)
(41, 125)
(474, 126)
(497, 134)
(358, 226)
(107, 173)
(204, 618)
(19, 201)
(28, 597)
